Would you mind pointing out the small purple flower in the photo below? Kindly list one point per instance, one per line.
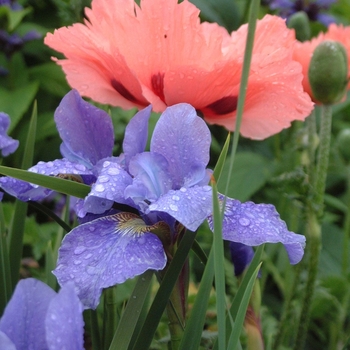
(10, 43)
(13, 5)
(313, 9)
(38, 318)
(141, 200)
(7, 144)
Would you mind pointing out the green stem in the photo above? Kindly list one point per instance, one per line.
(110, 315)
(176, 307)
(314, 214)
(345, 259)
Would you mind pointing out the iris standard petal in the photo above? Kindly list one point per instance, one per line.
(151, 177)
(136, 134)
(108, 188)
(189, 206)
(7, 144)
(26, 191)
(183, 139)
(23, 319)
(254, 224)
(241, 256)
(86, 131)
(105, 252)
(64, 321)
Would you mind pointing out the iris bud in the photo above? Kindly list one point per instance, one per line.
(299, 21)
(328, 72)
(343, 142)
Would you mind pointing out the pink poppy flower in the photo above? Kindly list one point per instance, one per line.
(303, 50)
(160, 53)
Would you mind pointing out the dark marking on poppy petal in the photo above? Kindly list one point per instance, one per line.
(157, 83)
(122, 90)
(224, 105)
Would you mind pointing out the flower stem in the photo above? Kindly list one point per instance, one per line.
(314, 214)
(176, 307)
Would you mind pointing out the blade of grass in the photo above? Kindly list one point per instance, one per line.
(160, 301)
(54, 183)
(130, 316)
(253, 15)
(218, 247)
(195, 323)
(221, 161)
(243, 305)
(240, 293)
(5, 275)
(16, 230)
(197, 249)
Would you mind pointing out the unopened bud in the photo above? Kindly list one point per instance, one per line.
(328, 72)
(299, 21)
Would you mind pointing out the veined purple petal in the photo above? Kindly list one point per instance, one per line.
(183, 139)
(189, 206)
(108, 188)
(26, 191)
(7, 144)
(241, 256)
(6, 343)
(64, 323)
(136, 134)
(254, 224)
(105, 252)
(86, 131)
(23, 319)
(151, 177)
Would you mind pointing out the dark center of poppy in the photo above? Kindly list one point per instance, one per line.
(123, 91)
(157, 83)
(224, 105)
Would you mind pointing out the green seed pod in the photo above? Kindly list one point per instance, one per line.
(328, 72)
(299, 21)
(343, 143)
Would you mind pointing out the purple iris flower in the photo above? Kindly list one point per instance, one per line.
(313, 9)
(241, 256)
(38, 318)
(140, 201)
(7, 144)
(13, 5)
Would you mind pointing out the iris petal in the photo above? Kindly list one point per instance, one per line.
(254, 224)
(189, 206)
(105, 252)
(86, 131)
(184, 140)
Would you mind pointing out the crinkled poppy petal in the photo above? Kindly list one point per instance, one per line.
(183, 139)
(26, 191)
(7, 144)
(109, 187)
(86, 131)
(136, 134)
(254, 224)
(64, 322)
(23, 319)
(189, 206)
(151, 177)
(105, 252)
(95, 66)
(275, 96)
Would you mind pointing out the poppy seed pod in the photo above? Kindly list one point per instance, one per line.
(328, 72)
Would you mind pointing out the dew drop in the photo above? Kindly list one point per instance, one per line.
(80, 249)
(173, 207)
(99, 188)
(244, 221)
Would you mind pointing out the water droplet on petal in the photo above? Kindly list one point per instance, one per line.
(173, 207)
(99, 188)
(244, 221)
(80, 249)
